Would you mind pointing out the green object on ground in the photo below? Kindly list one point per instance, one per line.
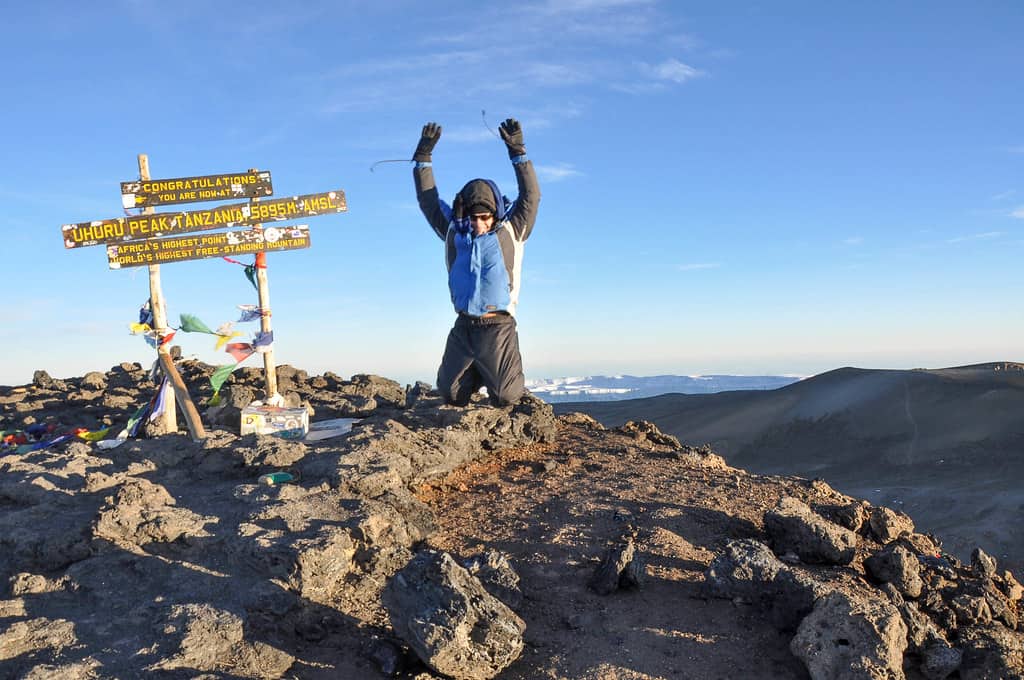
(275, 478)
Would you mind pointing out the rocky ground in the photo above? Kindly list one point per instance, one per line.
(943, 445)
(433, 541)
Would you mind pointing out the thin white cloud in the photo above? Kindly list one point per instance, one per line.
(853, 241)
(487, 131)
(1018, 213)
(616, 30)
(1004, 195)
(651, 78)
(398, 82)
(422, 63)
(674, 71)
(639, 87)
(985, 236)
(1016, 149)
(564, 46)
(698, 266)
(557, 173)
(613, 21)
(684, 41)
(546, 74)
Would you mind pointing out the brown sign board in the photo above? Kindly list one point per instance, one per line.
(221, 244)
(150, 192)
(139, 227)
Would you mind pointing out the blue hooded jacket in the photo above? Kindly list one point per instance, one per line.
(484, 273)
(478, 277)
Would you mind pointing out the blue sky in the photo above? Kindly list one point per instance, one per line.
(778, 188)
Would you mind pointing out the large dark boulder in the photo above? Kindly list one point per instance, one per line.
(455, 626)
(794, 527)
(896, 565)
(847, 638)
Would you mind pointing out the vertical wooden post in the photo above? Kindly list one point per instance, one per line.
(156, 301)
(263, 291)
(269, 367)
(159, 309)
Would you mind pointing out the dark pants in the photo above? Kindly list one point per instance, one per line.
(482, 353)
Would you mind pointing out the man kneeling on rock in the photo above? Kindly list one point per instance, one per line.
(484, 235)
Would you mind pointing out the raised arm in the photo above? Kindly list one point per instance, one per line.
(423, 176)
(524, 212)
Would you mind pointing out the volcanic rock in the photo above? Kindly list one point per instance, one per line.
(896, 565)
(497, 576)
(793, 526)
(620, 567)
(888, 525)
(991, 652)
(749, 572)
(983, 565)
(940, 660)
(94, 380)
(643, 430)
(846, 638)
(455, 626)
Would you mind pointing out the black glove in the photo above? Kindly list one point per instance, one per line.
(428, 138)
(512, 135)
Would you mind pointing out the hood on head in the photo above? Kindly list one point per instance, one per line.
(480, 195)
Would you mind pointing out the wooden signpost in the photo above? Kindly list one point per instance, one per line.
(151, 239)
(159, 311)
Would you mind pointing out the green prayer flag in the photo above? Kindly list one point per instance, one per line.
(191, 324)
(250, 273)
(220, 375)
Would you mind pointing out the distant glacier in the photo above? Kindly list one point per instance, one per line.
(616, 387)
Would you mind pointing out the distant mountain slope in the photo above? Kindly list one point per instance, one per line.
(612, 388)
(947, 444)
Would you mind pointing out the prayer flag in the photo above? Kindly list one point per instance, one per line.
(220, 375)
(249, 313)
(191, 324)
(239, 350)
(132, 428)
(146, 314)
(221, 339)
(93, 436)
(160, 400)
(263, 341)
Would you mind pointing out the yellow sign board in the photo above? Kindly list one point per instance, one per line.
(144, 193)
(222, 217)
(199, 246)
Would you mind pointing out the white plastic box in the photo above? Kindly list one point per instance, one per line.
(290, 423)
